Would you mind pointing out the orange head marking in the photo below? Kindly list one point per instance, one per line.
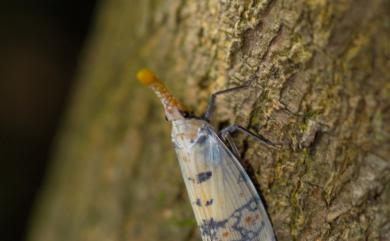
(173, 109)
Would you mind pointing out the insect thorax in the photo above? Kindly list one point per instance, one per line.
(188, 132)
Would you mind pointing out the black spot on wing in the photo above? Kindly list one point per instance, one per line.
(203, 176)
(198, 203)
(209, 202)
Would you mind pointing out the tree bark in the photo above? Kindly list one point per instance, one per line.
(320, 88)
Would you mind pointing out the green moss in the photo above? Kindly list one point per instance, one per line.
(184, 223)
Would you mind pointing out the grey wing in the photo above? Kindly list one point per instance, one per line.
(225, 201)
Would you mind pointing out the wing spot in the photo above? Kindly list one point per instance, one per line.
(198, 202)
(209, 202)
(248, 219)
(204, 176)
(225, 234)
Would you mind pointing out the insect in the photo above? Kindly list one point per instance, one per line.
(225, 202)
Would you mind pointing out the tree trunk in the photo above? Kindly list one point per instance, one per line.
(320, 88)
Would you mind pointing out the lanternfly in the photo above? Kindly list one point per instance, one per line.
(225, 202)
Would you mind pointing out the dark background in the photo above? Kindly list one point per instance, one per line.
(40, 43)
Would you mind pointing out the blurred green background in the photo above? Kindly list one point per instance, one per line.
(40, 43)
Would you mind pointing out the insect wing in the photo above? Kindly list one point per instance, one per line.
(225, 202)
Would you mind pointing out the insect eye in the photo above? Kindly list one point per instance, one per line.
(186, 114)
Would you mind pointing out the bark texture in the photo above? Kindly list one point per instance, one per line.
(320, 88)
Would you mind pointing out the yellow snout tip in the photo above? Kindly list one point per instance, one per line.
(146, 76)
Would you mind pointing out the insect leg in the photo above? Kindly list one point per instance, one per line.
(228, 139)
(230, 129)
(211, 103)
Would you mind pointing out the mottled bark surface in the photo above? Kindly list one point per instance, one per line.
(320, 88)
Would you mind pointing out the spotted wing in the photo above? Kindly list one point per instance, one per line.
(225, 203)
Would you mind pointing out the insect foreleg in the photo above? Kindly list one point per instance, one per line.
(228, 139)
(233, 128)
(211, 103)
